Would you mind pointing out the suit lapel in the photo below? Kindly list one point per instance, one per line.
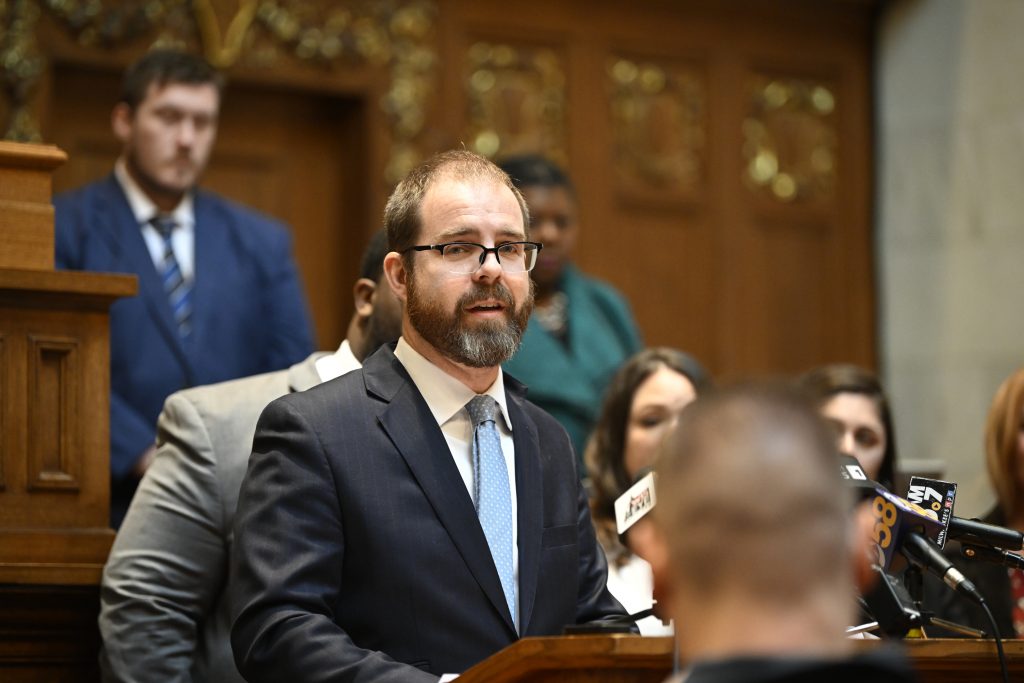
(529, 500)
(212, 250)
(121, 230)
(412, 428)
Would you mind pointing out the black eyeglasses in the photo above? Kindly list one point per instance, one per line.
(463, 258)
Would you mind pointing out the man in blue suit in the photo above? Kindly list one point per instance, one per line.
(411, 518)
(219, 294)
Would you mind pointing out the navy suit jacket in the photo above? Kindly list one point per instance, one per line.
(358, 554)
(249, 313)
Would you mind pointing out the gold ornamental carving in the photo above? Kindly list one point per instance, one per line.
(393, 34)
(516, 99)
(790, 140)
(658, 114)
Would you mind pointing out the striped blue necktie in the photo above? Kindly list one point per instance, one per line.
(179, 292)
(491, 492)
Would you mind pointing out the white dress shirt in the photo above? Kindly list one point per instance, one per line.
(339, 363)
(632, 584)
(446, 398)
(183, 238)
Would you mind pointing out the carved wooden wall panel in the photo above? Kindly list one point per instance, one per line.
(722, 156)
(790, 140)
(516, 100)
(56, 422)
(54, 456)
(659, 127)
(710, 142)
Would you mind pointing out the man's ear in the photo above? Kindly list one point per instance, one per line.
(121, 122)
(394, 270)
(863, 550)
(362, 296)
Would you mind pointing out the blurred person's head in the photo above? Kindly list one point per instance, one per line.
(1004, 444)
(757, 550)
(642, 403)
(854, 403)
(553, 214)
(378, 312)
(166, 120)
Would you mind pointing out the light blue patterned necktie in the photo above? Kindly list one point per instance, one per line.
(492, 496)
(179, 292)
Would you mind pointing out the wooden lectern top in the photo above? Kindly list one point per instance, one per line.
(615, 658)
(629, 658)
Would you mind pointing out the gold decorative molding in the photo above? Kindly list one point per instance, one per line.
(516, 99)
(20, 66)
(223, 49)
(658, 114)
(393, 34)
(790, 140)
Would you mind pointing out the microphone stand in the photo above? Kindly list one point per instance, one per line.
(894, 619)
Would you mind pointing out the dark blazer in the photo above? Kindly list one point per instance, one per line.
(249, 314)
(358, 554)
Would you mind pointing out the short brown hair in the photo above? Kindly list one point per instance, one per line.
(1001, 428)
(402, 218)
(162, 67)
(750, 479)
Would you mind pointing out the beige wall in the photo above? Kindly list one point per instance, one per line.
(950, 228)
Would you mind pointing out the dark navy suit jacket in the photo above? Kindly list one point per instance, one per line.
(358, 554)
(249, 313)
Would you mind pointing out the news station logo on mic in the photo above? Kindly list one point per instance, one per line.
(937, 496)
(896, 517)
(637, 501)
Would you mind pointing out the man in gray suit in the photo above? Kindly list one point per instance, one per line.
(164, 613)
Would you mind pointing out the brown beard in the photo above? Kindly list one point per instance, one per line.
(492, 343)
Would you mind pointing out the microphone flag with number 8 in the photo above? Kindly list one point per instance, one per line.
(894, 517)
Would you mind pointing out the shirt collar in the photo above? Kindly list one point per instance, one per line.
(143, 207)
(445, 395)
(339, 363)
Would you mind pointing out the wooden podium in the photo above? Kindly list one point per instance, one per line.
(628, 658)
(54, 433)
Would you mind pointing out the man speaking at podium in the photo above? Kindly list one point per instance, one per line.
(759, 556)
(411, 519)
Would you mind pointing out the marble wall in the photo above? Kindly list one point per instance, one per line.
(950, 224)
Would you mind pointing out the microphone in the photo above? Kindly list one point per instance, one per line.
(939, 496)
(855, 479)
(926, 555)
(895, 519)
(904, 528)
(968, 529)
(993, 555)
(635, 503)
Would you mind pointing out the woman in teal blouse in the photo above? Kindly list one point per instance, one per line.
(582, 329)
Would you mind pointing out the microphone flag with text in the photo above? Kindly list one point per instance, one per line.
(927, 493)
(896, 521)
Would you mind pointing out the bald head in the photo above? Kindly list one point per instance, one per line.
(750, 501)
